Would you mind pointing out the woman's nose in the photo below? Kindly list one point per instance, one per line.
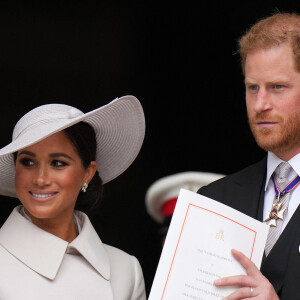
(41, 176)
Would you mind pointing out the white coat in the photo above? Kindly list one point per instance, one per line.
(37, 265)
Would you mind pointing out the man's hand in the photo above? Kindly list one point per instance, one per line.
(261, 287)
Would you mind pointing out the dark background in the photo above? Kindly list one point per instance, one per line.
(178, 58)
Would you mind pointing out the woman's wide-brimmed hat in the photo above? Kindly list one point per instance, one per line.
(119, 127)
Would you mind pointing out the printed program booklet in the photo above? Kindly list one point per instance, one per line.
(198, 245)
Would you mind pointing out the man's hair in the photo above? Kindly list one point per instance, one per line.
(271, 31)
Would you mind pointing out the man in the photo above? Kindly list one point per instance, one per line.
(270, 53)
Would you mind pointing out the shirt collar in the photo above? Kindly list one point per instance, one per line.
(273, 162)
(43, 252)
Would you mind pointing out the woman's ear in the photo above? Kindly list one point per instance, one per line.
(90, 171)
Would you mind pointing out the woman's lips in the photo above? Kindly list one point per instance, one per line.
(42, 196)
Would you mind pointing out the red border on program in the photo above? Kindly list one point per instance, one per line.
(255, 233)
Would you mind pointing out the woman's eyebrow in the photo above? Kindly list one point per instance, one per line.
(26, 153)
(53, 155)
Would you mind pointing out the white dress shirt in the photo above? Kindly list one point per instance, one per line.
(272, 163)
(37, 265)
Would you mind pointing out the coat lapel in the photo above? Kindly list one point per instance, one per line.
(274, 267)
(89, 245)
(245, 187)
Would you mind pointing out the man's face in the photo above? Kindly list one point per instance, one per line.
(273, 100)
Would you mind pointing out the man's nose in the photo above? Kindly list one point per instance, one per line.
(263, 101)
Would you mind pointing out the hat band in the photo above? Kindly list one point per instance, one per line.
(51, 117)
(168, 207)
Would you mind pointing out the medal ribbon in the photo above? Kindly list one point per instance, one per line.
(292, 185)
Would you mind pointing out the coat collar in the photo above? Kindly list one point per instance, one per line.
(43, 252)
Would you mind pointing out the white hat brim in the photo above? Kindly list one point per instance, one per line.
(169, 187)
(120, 130)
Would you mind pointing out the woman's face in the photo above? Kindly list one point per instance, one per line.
(49, 176)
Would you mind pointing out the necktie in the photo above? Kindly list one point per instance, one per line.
(281, 182)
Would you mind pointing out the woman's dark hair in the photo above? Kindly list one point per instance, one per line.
(83, 138)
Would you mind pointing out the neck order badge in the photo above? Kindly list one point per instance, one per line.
(276, 212)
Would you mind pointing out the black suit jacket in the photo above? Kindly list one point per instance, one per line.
(244, 191)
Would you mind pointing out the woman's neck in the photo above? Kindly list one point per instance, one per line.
(62, 227)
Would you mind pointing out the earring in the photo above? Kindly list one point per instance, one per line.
(85, 186)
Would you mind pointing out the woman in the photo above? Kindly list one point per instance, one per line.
(56, 163)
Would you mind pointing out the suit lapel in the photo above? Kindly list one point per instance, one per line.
(248, 186)
(291, 287)
(275, 265)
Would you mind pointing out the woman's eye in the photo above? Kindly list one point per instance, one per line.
(27, 162)
(58, 163)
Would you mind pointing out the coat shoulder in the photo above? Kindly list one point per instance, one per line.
(247, 176)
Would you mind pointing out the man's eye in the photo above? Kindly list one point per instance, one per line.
(278, 86)
(253, 87)
(26, 162)
(58, 163)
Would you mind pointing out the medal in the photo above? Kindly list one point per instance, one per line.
(276, 212)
